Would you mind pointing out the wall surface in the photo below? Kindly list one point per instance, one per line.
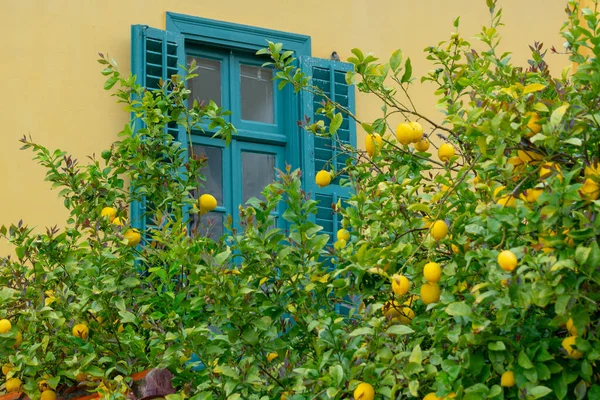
(52, 88)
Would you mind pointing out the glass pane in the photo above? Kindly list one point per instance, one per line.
(207, 85)
(213, 171)
(257, 94)
(210, 225)
(258, 170)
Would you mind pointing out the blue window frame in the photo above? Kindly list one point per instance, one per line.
(273, 137)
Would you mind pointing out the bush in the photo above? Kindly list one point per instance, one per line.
(471, 275)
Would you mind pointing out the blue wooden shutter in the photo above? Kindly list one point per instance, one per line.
(156, 55)
(324, 153)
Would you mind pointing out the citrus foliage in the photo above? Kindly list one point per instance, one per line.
(469, 275)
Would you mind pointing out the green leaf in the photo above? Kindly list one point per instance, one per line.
(458, 309)
(524, 361)
(336, 122)
(362, 331)
(558, 114)
(496, 346)
(574, 141)
(20, 251)
(456, 22)
(532, 88)
(399, 329)
(396, 60)
(416, 356)
(582, 254)
(337, 373)
(407, 71)
(110, 82)
(539, 391)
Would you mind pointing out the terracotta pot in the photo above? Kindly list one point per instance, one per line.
(81, 392)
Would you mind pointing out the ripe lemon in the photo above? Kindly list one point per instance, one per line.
(43, 385)
(391, 309)
(507, 201)
(548, 169)
(206, 203)
(18, 340)
(507, 379)
(430, 293)
(531, 195)
(570, 327)
(13, 385)
(533, 124)
(568, 343)
(340, 244)
(528, 156)
(431, 396)
(323, 178)
(404, 133)
(426, 222)
(432, 272)
(343, 234)
(590, 190)
(5, 326)
(6, 368)
(81, 331)
(48, 395)
(272, 356)
(592, 170)
(422, 145)
(417, 131)
(446, 152)
(507, 260)
(400, 284)
(118, 221)
(109, 212)
(373, 143)
(133, 237)
(439, 230)
(405, 316)
(364, 391)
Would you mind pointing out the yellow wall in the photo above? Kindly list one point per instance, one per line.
(52, 88)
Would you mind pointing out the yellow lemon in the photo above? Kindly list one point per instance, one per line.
(507, 260)
(343, 234)
(431, 396)
(533, 123)
(430, 293)
(323, 178)
(550, 168)
(109, 212)
(427, 222)
(590, 190)
(404, 133)
(18, 340)
(446, 152)
(48, 395)
(405, 316)
(373, 143)
(5, 326)
(531, 195)
(507, 379)
(570, 327)
(507, 201)
(391, 309)
(400, 284)
(439, 230)
(340, 244)
(133, 237)
(498, 190)
(592, 170)
(422, 145)
(364, 391)
(81, 331)
(515, 161)
(271, 356)
(529, 156)
(13, 385)
(417, 131)
(118, 221)
(206, 203)
(568, 343)
(432, 272)
(43, 385)
(6, 368)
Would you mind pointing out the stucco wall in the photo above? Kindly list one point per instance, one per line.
(52, 88)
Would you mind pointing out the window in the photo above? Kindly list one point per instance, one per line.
(231, 75)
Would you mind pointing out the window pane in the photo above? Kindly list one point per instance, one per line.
(210, 225)
(213, 171)
(207, 85)
(257, 94)
(258, 171)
